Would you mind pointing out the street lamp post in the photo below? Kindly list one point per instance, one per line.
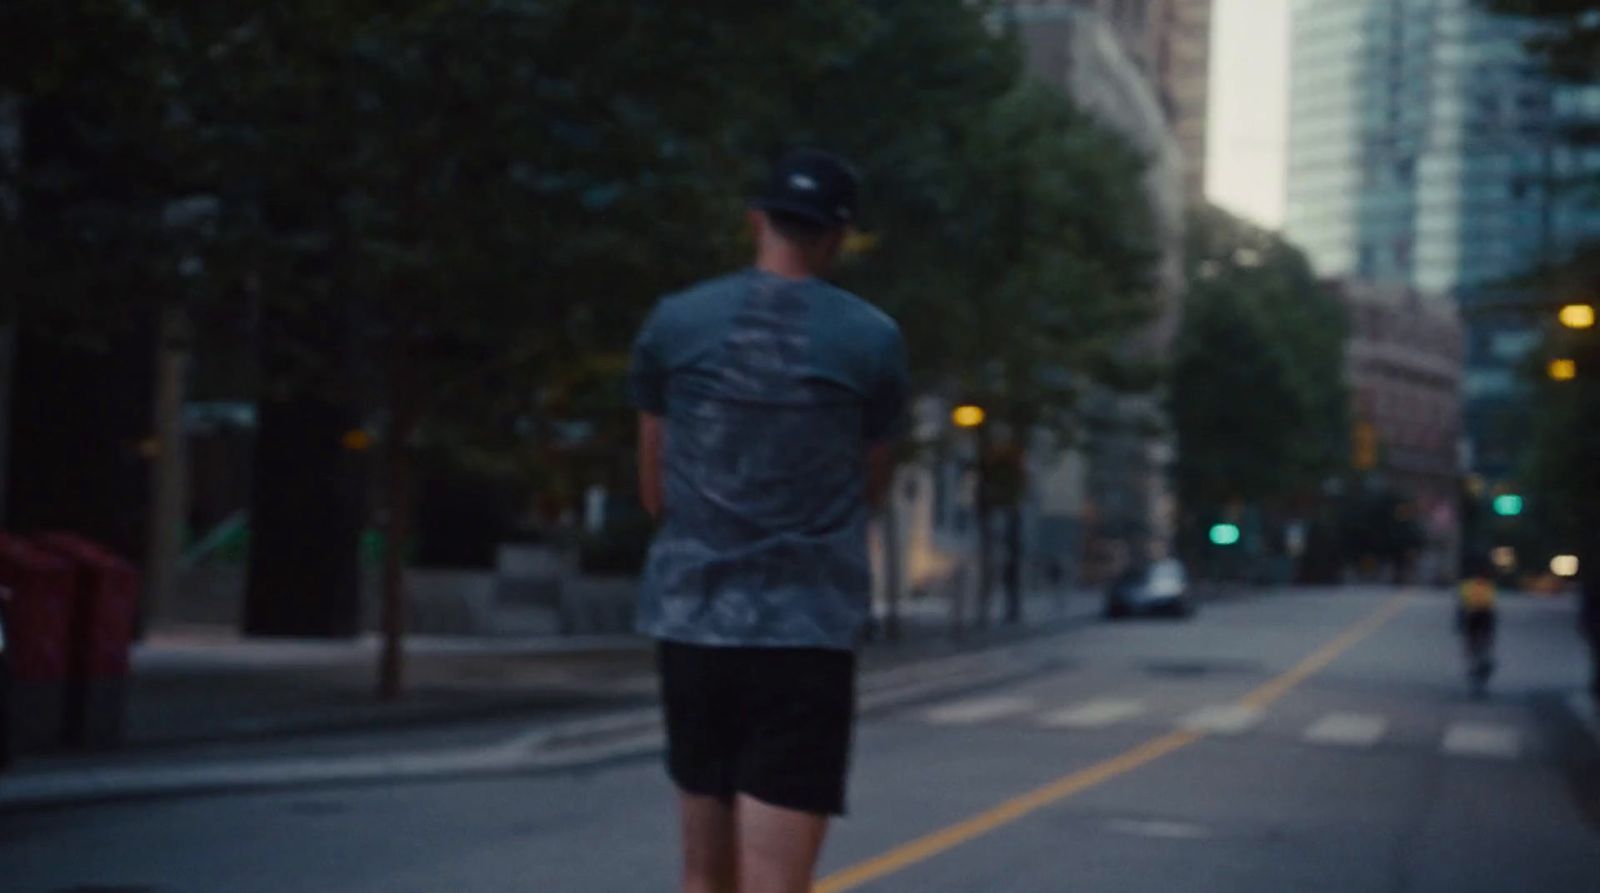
(972, 417)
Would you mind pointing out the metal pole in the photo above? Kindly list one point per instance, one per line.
(169, 465)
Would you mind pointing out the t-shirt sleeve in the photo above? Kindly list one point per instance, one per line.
(886, 404)
(647, 369)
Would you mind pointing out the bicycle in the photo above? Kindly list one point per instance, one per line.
(1475, 620)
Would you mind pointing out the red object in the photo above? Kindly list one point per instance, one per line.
(105, 609)
(38, 610)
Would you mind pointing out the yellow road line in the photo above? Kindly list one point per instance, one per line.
(1319, 660)
(930, 845)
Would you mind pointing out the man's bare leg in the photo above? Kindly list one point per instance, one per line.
(778, 848)
(710, 850)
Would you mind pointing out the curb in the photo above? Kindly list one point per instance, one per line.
(621, 735)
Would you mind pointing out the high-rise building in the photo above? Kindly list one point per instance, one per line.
(1182, 64)
(1424, 144)
(1167, 41)
(1403, 365)
(1427, 149)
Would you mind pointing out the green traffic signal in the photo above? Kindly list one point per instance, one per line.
(1508, 505)
(1224, 534)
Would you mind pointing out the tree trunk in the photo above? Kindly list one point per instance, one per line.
(985, 532)
(1013, 569)
(308, 490)
(893, 576)
(307, 511)
(397, 531)
(169, 465)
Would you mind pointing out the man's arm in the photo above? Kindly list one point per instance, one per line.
(886, 410)
(880, 472)
(651, 436)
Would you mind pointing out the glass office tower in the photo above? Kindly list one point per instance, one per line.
(1427, 148)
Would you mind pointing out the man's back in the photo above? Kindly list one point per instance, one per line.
(771, 388)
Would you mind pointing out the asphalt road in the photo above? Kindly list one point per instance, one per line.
(1282, 743)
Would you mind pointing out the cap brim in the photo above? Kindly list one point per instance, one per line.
(796, 209)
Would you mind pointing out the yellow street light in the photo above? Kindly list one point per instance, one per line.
(1563, 370)
(968, 416)
(1578, 316)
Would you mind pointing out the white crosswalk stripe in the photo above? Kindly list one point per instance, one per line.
(1347, 730)
(977, 710)
(1478, 739)
(1096, 714)
(1486, 740)
(1222, 719)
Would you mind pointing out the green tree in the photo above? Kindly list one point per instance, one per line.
(1257, 392)
(451, 215)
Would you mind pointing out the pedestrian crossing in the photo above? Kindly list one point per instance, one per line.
(1472, 739)
(1222, 719)
(1348, 730)
(1465, 738)
(1093, 715)
(979, 710)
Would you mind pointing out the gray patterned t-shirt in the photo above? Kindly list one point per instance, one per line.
(772, 389)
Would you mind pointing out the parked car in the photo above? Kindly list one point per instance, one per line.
(1159, 587)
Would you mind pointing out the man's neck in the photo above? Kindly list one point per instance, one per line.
(784, 262)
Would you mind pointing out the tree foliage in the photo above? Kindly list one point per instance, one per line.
(454, 212)
(491, 193)
(1257, 394)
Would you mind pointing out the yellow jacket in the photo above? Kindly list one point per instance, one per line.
(1477, 594)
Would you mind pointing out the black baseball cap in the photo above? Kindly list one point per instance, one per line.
(813, 185)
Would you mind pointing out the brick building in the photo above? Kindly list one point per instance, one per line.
(1404, 365)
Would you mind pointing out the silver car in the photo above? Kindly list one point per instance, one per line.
(1160, 587)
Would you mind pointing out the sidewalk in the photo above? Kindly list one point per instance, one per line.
(208, 685)
(213, 713)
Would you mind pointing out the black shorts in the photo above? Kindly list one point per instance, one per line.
(773, 723)
(1476, 623)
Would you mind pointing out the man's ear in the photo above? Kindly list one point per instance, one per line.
(833, 247)
(757, 221)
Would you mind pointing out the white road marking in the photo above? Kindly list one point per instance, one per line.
(1469, 739)
(1347, 729)
(1158, 829)
(1222, 719)
(1093, 715)
(979, 710)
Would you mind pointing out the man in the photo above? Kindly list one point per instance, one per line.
(767, 400)
(1476, 620)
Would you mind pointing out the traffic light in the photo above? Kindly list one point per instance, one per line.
(1364, 453)
(1224, 534)
(1508, 505)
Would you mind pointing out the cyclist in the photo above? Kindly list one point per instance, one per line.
(1475, 621)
